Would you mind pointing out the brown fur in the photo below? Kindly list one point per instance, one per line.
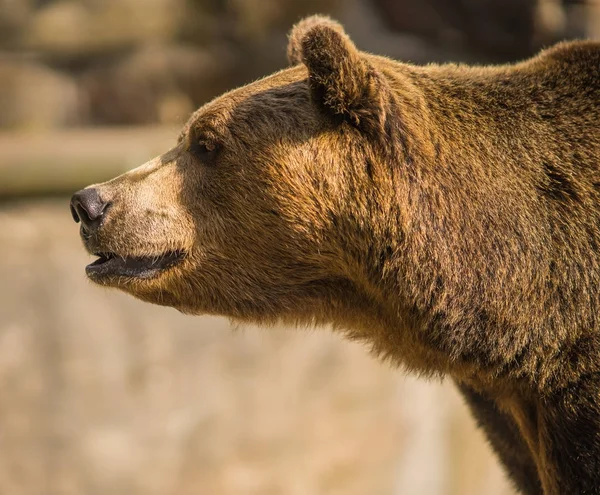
(448, 215)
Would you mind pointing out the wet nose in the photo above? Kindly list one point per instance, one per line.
(87, 207)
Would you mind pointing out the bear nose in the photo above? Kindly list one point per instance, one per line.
(87, 207)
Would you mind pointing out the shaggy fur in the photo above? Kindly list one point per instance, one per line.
(448, 215)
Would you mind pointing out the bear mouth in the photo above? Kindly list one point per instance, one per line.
(145, 267)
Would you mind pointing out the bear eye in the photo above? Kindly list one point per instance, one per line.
(203, 149)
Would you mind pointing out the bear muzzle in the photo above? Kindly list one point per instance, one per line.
(88, 208)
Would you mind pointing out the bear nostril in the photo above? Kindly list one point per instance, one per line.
(83, 214)
(87, 208)
(74, 213)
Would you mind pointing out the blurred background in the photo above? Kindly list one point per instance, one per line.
(102, 394)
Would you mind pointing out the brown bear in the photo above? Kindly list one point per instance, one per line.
(447, 215)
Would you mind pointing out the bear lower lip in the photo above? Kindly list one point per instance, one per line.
(110, 265)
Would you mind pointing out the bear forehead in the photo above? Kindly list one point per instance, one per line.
(213, 117)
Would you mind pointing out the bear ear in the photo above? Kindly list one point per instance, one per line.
(299, 31)
(340, 77)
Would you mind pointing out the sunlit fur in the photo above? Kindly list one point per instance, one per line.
(447, 215)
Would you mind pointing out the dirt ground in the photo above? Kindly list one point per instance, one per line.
(102, 394)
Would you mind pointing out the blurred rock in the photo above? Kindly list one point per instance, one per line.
(35, 97)
(583, 18)
(594, 20)
(70, 28)
(551, 19)
(248, 21)
(496, 29)
(254, 19)
(14, 15)
(154, 61)
(157, 83)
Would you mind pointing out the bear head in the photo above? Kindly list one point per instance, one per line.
(263, 210)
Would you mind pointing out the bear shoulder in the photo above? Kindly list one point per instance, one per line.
(579, 56)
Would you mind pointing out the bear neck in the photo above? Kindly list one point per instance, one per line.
(462, 268)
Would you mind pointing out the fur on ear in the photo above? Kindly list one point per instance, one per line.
(298, 32)
(341, 79)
